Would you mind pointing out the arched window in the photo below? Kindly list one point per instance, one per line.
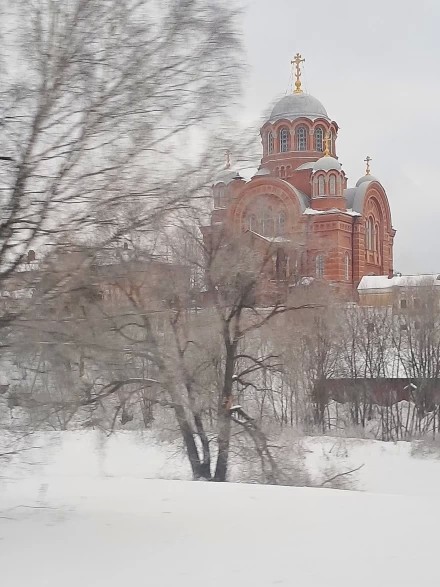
(376, 238)
(369, 235)
(283, 172)
(270, 143)
(319, 266)
(347, 267)
(284, 140)
(267, 223)
(319, 139)
(321, 186)
(332, 185)
(281, 223)
(252, 222)
(301, 138)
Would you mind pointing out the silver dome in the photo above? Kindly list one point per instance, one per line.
(327, 163)
(366, 178)
(297, 105)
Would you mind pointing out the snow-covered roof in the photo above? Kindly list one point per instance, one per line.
(297, 105)
(366, 178)
(312, 212)
(326, 163)
(227, 175)
(381, 282)
(308, 165)
(270, 239)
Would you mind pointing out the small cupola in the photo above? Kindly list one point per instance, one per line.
(328, 179)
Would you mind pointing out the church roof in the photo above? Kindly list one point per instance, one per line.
(304, 200)
(355, 197)
(313, 212)
(366, 178)
(326, 163)
(227, 175)
(369, 282)
(297, 105)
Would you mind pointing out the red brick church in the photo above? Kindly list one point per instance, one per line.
(299, 204)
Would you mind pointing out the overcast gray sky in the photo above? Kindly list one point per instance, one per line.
(375, 67)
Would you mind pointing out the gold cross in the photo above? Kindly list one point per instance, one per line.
(296, 61)
(327, 143)
(367, 161)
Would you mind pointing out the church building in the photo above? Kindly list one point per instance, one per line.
(298, 204)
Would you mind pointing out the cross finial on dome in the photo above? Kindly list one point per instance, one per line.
(368, 161)
(296, 61)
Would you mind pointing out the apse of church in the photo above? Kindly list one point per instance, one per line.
(298, 205)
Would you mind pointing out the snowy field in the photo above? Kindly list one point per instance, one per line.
(384, 467)
(81, 511)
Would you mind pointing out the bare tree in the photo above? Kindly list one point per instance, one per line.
(113, 91)
(99, 100)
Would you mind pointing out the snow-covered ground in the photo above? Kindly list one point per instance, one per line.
(113, 532)
(81, 511)
(385, 467)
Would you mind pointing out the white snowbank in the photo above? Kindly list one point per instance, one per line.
(385, 467)
(113, 532)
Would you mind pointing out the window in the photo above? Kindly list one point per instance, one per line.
(347, 267)
(252, 222)
(267, 223)
(270, 143)
(369, 235)
(319, 139)
(370, 327)
(283, 172)
(332, 185)
(281, 223)
(330, 135)
(301, 138)
(403, 304)
(321, 186)
(284, 140)
(319, 266)
(376, 237)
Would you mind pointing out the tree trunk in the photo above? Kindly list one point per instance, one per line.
(224, 417)
(190, 444)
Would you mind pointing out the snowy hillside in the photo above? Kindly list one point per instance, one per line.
(113, 532)
(80, 510)
(380, 467)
